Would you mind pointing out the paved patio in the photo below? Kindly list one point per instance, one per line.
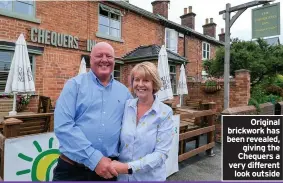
(201, 167)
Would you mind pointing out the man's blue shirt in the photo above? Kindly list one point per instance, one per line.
(88, 118)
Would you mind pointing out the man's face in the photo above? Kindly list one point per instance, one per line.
(102, 61)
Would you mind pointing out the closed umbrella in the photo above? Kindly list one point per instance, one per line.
(20, 79)
(82, 66)
(182, 84)
(165, 92)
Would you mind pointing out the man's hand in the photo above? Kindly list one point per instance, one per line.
(121, 168)
(105, 169)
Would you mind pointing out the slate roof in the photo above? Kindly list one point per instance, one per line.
(166, 22)
(150, 52)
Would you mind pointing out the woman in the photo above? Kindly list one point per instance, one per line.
(147, 127)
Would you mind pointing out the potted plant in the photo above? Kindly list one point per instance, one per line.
(22, 102)
(211, 86)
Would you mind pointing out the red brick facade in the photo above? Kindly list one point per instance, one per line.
(80, 18)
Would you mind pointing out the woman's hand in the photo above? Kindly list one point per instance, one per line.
(121, 168)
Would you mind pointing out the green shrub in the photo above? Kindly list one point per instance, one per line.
(274, 90)
(253, 102)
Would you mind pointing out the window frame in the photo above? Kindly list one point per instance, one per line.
(33, 66)
(204, 57)
(173, 73)
(110, 11)
(204, 75)
(177, 37)
(119, 65)
(21, 16)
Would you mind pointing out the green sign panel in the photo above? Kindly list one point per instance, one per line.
(266, 21)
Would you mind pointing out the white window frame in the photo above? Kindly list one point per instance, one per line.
(204, 75)
(117, 71)
(109, 17)
(174, 48)
(13, 4)
(32, 67)
(173, 86)
(206, 50)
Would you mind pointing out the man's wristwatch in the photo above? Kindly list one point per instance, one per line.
(130, 171)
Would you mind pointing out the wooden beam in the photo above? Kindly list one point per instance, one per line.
(197, 132)
(22, 116)
(194, 152)
(204, 113)
(185, 116)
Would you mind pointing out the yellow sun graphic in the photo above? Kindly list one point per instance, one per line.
(42, 163)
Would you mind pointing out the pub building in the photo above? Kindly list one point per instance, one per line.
(60, 33)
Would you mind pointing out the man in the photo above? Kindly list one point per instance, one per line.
(87, 121)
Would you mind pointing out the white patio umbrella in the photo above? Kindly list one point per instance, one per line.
(82, 66)
(20, 79)
(165, 92)
(182, 84)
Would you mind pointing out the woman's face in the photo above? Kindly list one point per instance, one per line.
(143, 86)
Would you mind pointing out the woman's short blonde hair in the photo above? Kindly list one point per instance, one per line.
(147, 70)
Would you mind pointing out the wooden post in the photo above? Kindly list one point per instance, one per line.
(212, 106)
(210, 135)
(11, 127)
(2, 142)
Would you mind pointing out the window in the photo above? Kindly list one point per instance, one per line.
(171, 39)
(117, 72)
(20, 7)
(5, 63)
(204, 75)
(173, 78)
(109, 21)
(205, 51)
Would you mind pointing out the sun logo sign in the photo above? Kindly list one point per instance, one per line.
(42, 164)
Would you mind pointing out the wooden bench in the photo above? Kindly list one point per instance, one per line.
(193, 103)
(33, 123)
(19, 125)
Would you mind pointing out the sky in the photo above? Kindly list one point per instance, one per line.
(210, 9)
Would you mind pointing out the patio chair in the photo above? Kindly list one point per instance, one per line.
(44, 104)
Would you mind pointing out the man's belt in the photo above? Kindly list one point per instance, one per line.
(68, 160)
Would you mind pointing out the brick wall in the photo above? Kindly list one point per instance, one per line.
(79, 18)
(239, 91)
(194, 56)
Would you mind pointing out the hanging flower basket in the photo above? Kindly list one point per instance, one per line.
(22, 102)
(211, 86)
(21, 107)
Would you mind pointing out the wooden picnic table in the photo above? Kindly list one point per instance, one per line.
(19, 113)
